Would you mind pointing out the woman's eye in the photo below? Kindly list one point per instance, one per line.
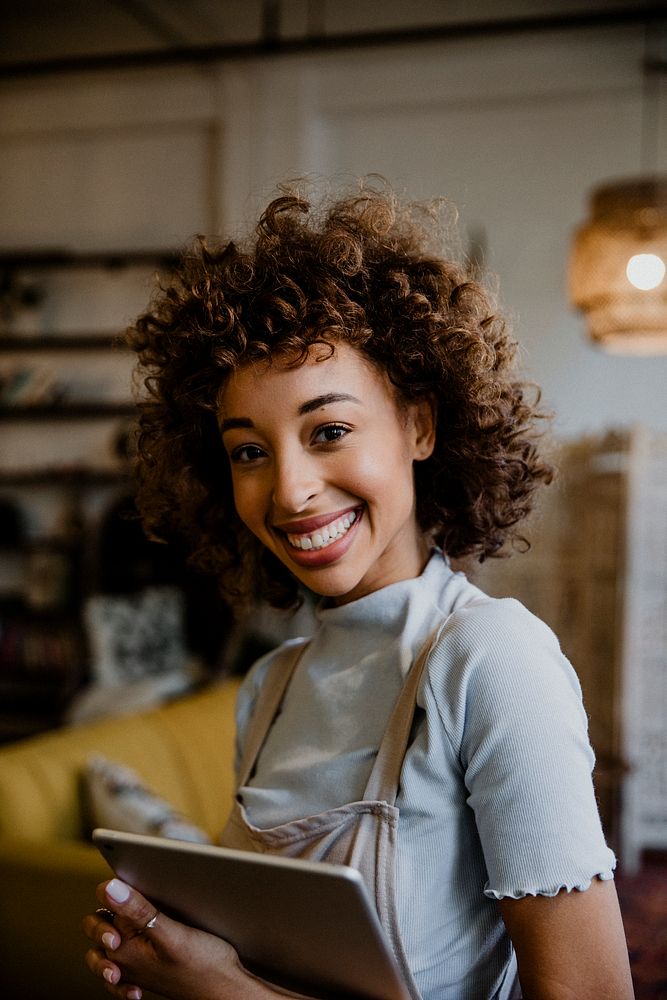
(330, 433)
(247, 453)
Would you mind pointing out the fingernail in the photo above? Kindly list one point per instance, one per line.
(118, 891)
(109, 975)
(134, 994)
(109, 940)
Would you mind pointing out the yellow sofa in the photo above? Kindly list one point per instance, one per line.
(48, 872)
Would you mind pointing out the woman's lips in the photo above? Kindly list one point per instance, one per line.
(308, 525)
(331, 551)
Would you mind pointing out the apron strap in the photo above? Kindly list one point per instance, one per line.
(268, 702)
(383, 781)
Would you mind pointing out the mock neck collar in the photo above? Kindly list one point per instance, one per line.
(384, 609)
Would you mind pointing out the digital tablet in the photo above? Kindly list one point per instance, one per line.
(306, 926)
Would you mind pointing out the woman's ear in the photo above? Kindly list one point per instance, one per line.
(424, 417)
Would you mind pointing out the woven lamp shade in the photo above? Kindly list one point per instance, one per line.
(627, 219)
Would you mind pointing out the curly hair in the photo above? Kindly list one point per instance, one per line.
(360, 271)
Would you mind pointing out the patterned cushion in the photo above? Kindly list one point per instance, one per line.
(118, 800)
(136, 636)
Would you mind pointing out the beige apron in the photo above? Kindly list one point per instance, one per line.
(360, 834)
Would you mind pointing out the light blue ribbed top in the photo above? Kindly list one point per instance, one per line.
(496, 797)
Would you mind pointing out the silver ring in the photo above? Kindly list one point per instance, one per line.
(152, 922)
(108, 915)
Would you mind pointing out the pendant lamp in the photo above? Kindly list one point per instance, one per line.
(618, 267)
(619, 258)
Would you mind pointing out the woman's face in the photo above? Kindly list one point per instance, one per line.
(321, 463)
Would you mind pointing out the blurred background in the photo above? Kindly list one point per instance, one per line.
(127, 126)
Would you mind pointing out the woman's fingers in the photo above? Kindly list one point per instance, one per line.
(99, 965)
(133, 913)
(124, 922)
(99, 928)
(103, 968)
(140, 944)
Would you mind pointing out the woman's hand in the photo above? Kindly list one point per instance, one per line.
(134, 951)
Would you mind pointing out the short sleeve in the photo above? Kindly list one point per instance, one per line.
(511, 705)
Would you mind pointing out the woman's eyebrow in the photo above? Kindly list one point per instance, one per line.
(329, 397)
(232, 422)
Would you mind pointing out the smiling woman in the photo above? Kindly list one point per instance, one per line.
(361, 274)
(334, 407)
(325, 478)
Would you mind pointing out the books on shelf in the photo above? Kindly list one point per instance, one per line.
(29, 648)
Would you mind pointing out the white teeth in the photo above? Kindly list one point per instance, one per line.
(325, 536)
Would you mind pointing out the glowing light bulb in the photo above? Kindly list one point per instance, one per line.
(645, 271)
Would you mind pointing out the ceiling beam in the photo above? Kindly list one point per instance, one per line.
(271, 47)
(146, 17)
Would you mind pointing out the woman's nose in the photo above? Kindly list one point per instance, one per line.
(295, 484)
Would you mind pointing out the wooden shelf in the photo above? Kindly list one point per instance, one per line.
(63, 477)
(31, 685)
(68, 411)
(59, 257)
(33, 703)
(61, 342)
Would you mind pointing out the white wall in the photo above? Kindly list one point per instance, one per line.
(515, 130)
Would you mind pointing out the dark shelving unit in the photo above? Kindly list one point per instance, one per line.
(67, 411)
(43, 658)
(51, 257)
(16, 343)
(77, 478)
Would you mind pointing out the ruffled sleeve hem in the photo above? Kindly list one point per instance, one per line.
(605, 876)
